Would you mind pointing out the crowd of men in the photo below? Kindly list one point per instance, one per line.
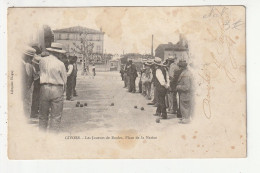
(51, 75)
(168, 84)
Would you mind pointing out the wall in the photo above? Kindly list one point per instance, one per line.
(69, 39)
(168, 53)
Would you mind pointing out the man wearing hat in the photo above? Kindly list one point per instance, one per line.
(122, 72)
(161, 81)
(174, 73)
(185, 89)
(132, 73)
(27, 76)
(70, 78)
(36, 84)
(53, 79)
(146, 79)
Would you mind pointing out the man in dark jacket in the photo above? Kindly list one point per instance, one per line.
(132, 72)
(70, 78)
(74, 75)
(161, 82)
(185, 91)
(122, 72)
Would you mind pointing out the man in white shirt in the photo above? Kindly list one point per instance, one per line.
(53, 79)
(161, 82)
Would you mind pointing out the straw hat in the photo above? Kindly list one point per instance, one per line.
(171, 58)
(56, 47)
(157, 61)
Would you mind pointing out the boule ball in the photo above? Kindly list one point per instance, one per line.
(157, 120)
(142, 108)
(81, 105)
(77, 105)
(135, 107)
(112, 104)
(85, 104)
(78, 102)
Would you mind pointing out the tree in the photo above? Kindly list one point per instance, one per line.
(48, 36)
(85, 49)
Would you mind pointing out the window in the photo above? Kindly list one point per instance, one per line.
(68, 36)
(98, 49)
(97, 37)
(59, 36)
(90, 37)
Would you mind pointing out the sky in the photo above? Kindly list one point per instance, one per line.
(126, 29)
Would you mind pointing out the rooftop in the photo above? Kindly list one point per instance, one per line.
(78, 29)
(170, 46)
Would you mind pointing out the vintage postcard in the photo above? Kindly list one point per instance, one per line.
(127, 82)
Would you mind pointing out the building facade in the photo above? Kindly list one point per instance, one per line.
(72, 36)
(180, 50)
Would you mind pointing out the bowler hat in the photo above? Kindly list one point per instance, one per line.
(56, 47)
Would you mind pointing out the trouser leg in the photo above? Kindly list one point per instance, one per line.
(170, 100)
(155, 99)
(69, 89)
(140, 85)
(131, 84)
(44, 108)
(125, 80)
(128, 82)
(148, 90)
(161, 101)
(74, 86)
(56, 110)
(159, 108)
(166, 101)
(35, 99)
(174, 101)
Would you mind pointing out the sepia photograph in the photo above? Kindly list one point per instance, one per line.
(126, 82)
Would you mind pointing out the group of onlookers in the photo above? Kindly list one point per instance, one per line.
(53, 74)
(168, 85)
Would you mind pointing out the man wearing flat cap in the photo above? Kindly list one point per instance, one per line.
(185, 90)
(27, 76)
(53, 79)
(161, 81)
